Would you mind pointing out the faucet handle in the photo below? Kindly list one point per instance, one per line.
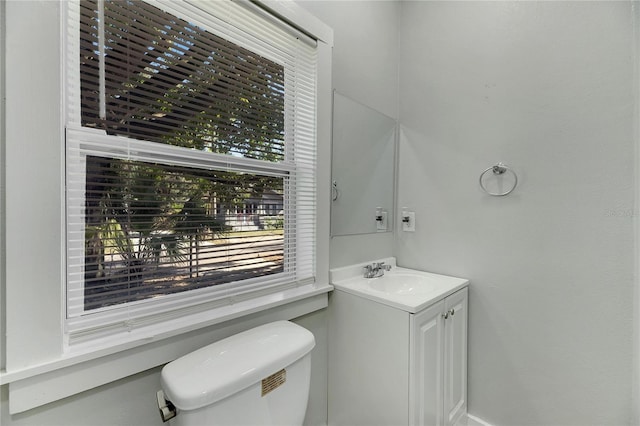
(382, 265)
(375, 269)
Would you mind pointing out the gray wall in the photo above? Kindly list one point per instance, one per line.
(365, 69)
(547, 87)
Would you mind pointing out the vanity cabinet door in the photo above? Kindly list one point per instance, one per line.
(455, 357)
(438, 364)
(426, 370)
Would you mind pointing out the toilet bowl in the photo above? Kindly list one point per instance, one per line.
(258, 377)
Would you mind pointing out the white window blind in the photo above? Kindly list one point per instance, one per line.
(190, 156)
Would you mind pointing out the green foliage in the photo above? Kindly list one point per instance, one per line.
(274, 222)
(142, 212)
(182, 86)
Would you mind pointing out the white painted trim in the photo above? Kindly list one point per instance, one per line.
(224, 315)
(476, 421)
(54, 382)
(39, 370)
(300, 18)
(324, 111)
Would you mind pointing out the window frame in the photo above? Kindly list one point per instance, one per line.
(82, 326)
(36, 365)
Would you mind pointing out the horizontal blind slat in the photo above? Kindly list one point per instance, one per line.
(149, 70)
(151, 225)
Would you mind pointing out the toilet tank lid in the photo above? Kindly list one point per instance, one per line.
(223, 368)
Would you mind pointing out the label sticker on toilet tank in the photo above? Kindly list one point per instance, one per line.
(274, 381)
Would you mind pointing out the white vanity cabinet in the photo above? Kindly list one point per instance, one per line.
(438, 363)
(389, 366)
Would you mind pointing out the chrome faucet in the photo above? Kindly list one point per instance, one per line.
(375, 270)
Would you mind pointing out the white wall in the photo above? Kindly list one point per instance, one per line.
(130, 401)
(365, 68)
(546, 87)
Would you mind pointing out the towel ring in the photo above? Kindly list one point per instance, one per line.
(499, 169)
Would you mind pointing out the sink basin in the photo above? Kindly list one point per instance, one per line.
(407, 289)
(402, 283)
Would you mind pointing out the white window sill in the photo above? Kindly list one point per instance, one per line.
(95, 365)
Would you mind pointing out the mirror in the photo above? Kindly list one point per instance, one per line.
(362, 169)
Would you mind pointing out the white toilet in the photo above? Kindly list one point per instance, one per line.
(257, 377)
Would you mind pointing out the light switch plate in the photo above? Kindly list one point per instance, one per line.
(409, 226)
(381, 225)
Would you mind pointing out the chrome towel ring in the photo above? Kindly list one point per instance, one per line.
(499, 169)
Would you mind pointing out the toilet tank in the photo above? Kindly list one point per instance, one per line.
(258, 377)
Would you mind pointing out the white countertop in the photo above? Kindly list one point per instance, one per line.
(402, 288)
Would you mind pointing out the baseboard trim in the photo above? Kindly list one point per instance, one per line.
(476, 421)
